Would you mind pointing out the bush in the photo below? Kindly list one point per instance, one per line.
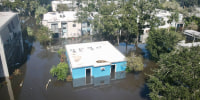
(60, 71)
(134, 63)
(60, 51)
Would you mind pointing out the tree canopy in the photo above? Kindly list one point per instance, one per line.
(177, 77)
(188, 3)
(160, 41)
(62, 7)
(43, 34)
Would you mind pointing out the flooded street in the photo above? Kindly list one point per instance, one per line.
(35, 75)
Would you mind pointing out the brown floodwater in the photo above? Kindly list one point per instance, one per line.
(30, 84)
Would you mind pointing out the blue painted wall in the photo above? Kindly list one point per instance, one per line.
(80, 72)
(120, 66)
(97, 72)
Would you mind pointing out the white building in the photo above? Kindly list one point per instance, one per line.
(99, 57)
(63, 23)
(11, 43)
(143, 38)
(164, 16)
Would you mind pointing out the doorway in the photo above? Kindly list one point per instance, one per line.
(112, 71)
(88, 75)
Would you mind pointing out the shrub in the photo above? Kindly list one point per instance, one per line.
(134, 63)
(61, 51)
(60, 71)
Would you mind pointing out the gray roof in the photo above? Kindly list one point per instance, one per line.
(6, 17)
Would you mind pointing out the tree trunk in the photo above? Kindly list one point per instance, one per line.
(126, 47)
(118, 37)
(137, 38)
(118, 40)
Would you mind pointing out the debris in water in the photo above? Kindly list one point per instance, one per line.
(48, 83)
(69, 78)
(21, 83)
(17, 72)
(17, 63)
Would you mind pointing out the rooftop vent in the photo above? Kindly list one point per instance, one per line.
(90, 48)
(101, 61)
(98, 47)
(80, 49)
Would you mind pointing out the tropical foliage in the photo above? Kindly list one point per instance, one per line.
(192, 23)
(135, 63)
(160, 41)
(62, 7)
(188, 3)
(43, 34)
(60, 71)
(177, 77)
(29, 31)
(61, 51)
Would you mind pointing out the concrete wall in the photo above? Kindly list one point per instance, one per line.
(73, 31)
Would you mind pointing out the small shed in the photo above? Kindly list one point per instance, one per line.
(94, 59)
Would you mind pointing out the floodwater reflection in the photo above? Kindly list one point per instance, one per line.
(98, 81)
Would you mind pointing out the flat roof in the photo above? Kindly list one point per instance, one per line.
(93, 54)
(63, 16)
(192, 32)
(5, 17)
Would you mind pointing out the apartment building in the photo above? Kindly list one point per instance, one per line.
(11, 42)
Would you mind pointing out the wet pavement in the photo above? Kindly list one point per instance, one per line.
(35, 75)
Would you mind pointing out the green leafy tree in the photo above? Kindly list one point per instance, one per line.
(33, 6)
(161, 41)
(110, 26)
(62, 7)
(91, 7)
(61, 51)
(29, 31)
(39, 13)
(177, 76)
(171, 5)
(43, 34)
(129, 23)
(82, 16)
(107, 9)
(60, 71)
(192, 23)
(188, 3)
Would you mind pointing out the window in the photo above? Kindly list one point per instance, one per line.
(54, 27)
(74, 25)
(102, 68)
